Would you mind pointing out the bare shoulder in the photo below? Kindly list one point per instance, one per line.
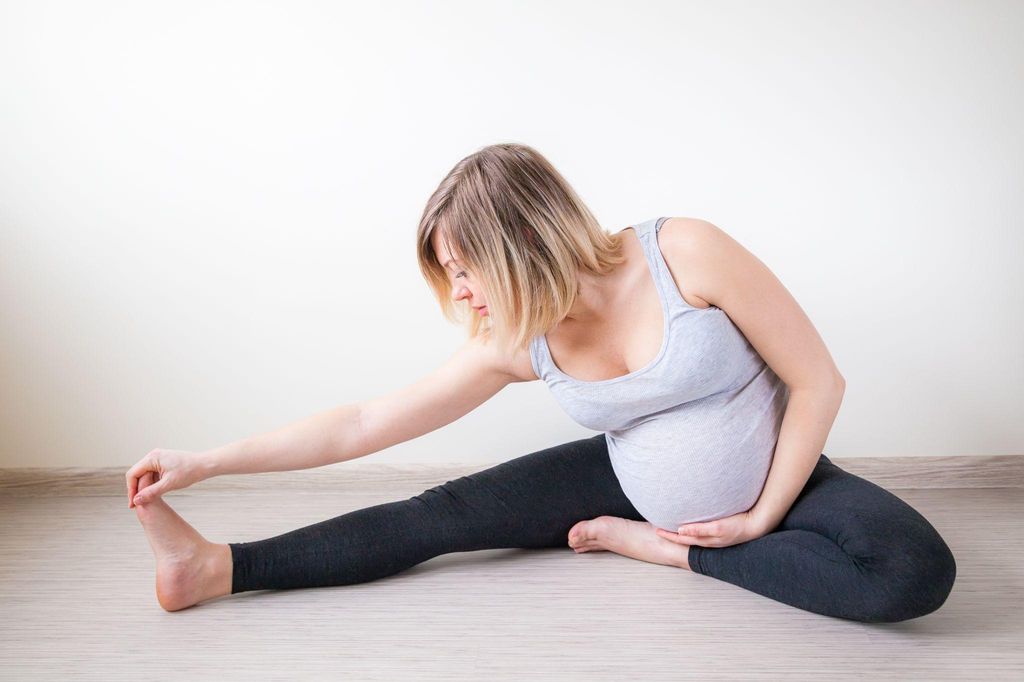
(517, 365)
(684, 242)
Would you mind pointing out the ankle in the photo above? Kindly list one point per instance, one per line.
(219, 571)
(685, 563)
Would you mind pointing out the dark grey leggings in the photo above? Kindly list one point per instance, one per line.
(847, 548)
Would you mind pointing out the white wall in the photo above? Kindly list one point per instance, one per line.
(207, 209)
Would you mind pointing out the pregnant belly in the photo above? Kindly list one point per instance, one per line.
(669, 491)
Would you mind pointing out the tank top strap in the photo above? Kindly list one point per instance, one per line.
(540, 359)
(648, 233)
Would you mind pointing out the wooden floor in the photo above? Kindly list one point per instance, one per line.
(77, 601)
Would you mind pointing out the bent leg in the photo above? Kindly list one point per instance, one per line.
(528, 502)
(847, 548)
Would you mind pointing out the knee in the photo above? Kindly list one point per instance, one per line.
(914, 584)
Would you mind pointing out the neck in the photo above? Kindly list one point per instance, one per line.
(595, 298)
(599, 293)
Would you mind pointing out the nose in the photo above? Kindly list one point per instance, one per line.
(461, 292)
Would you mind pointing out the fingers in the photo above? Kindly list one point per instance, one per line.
(700, 531)
(674, 537)
(146, 489)
(135, 485)
(146, 464)
(693, 539)
(131, 478)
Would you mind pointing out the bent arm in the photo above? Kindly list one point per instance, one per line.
(805, 427)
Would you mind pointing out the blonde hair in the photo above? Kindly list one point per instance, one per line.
(523, 233)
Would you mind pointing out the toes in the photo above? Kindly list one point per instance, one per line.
(588, 547)
(143, 512)
(581, 530)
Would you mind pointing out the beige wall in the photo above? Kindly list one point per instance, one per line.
(207, 210)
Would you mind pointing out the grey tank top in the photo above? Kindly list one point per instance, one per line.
(692, 434)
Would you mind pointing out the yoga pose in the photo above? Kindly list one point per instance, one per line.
(712, 390)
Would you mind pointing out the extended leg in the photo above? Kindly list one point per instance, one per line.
(528, 502)
(847, 548)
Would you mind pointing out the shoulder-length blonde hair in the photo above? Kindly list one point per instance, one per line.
(523, 233)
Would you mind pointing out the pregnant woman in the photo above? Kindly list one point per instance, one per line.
(712, 389)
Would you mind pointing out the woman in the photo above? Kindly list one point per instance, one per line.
(714, 393)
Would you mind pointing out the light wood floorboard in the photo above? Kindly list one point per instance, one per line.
(77, 596)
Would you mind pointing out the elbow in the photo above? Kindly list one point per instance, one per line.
(827, 383)
(836, 385)
(834, 381)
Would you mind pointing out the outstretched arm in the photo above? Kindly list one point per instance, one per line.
(468, 378)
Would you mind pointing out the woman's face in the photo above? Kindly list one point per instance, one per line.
(463, 286)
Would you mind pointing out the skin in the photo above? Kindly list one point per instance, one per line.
(613, 328)
(189, 568)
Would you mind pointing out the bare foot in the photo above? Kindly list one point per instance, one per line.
(189, 568)
(635, 539)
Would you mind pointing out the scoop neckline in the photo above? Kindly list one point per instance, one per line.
(666, 322)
